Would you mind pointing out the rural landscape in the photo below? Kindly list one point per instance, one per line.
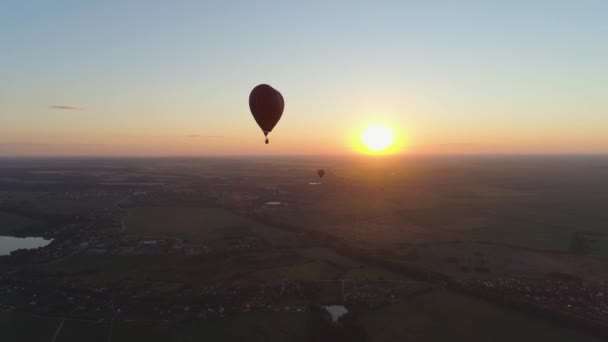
(313, 171)
(263, 249)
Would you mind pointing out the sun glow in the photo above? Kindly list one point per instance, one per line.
(377, 138)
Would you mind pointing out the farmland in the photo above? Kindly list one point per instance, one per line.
(415, 248)
(186, 222)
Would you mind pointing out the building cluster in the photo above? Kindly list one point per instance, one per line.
(125, 245)
(566, 296)
(132, 304)
(369, 294)
(85, 194)
(186, 302)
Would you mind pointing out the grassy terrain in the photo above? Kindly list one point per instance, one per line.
(22, 327)
(264, 326)
(435, 316)
(105, 269)
(313, 270)
(11, 223)
(443, 316)
(83, 331)
(186, 222)
(259, 326)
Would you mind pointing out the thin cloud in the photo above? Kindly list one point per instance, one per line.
(65, 107)
(203, 136)
(453, 145)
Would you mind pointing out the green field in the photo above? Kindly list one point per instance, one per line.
(186, 222)
(444, 316)
(76, 330)
(434, 316)
(263, 326)
(258, 326)
(22, 327)
(159, 270)
(12, 223)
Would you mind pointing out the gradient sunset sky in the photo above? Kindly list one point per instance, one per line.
(164, 78)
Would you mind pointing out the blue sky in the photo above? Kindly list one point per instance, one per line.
(506, 76)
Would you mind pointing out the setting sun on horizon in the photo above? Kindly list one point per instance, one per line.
(377, 138)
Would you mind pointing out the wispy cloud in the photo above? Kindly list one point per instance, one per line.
(203, 136)
(65, 107)
(453, 145)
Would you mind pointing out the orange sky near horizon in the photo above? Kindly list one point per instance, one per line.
(284, 143)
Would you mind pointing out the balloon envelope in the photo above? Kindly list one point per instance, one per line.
(321, 173)
(266, 105)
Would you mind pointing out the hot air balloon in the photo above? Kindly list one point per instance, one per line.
(321, 173)
(266, 105)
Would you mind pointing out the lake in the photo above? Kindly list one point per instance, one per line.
(11, 243)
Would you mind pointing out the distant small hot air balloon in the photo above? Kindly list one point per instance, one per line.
(266, 105)
(321, 173)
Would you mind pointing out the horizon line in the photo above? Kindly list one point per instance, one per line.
(134, 156)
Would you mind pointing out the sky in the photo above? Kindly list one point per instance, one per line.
(173, 77)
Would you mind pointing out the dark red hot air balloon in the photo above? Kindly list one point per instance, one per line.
(321, 173)
(266, 105)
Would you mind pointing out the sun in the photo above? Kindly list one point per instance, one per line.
(377, 138)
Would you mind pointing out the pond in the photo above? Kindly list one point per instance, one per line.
(336, 311)
(9, 244)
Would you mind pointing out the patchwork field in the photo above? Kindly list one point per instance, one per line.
(441, 316)
(186, 222)
(472, 219)
(12, 223)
